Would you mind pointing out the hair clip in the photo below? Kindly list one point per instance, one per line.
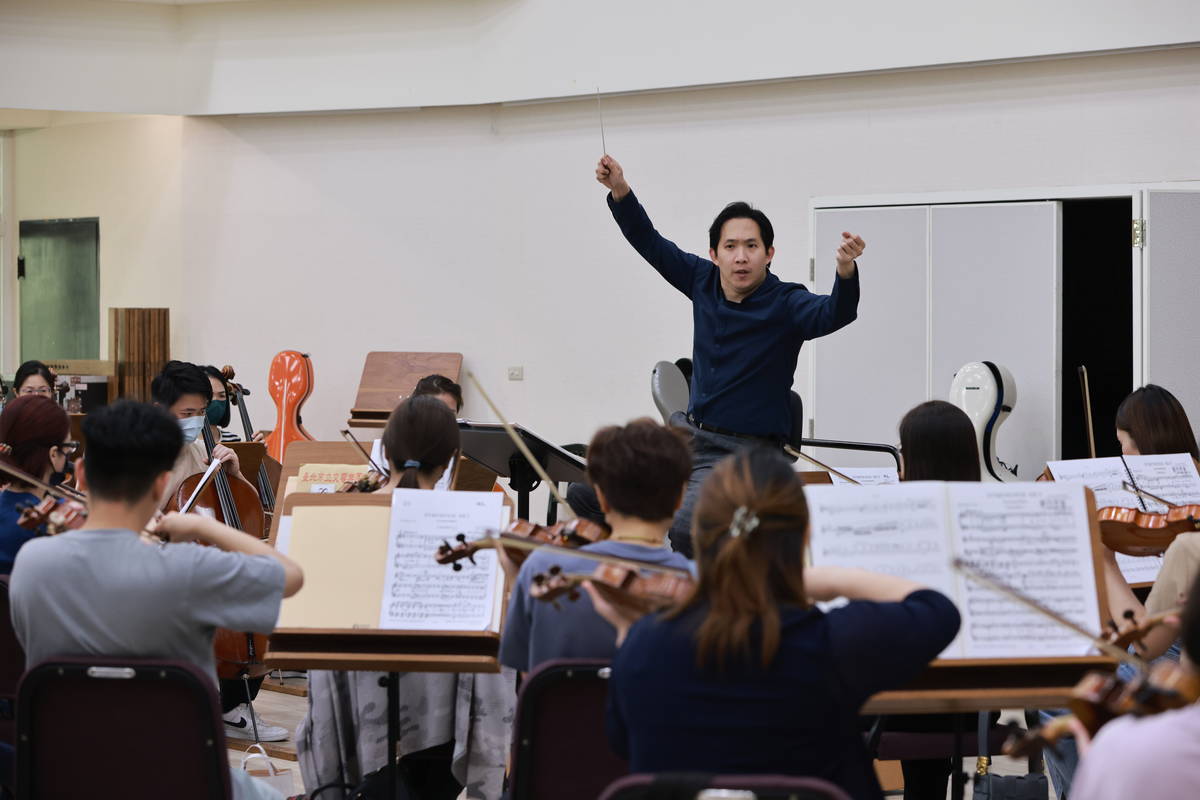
(5, 449)
(412, 464)
(744, 521)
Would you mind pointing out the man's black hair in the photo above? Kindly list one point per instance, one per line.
(439, 384)
(129, 444)
(177, 379)
(741, 210)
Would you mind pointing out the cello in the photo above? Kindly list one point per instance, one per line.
(289, 382)
(269, 469)
(230, 499)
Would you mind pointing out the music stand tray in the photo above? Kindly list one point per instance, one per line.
(489, 444)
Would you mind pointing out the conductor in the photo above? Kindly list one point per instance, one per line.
(748, 327)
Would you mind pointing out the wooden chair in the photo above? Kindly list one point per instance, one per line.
(129, 728)
(560, 748)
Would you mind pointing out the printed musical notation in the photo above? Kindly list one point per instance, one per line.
(1035, 537)
(1172, 477)
(896, 530)
(419, 593)
(868, 476)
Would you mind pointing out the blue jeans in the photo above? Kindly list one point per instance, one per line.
(707, 449)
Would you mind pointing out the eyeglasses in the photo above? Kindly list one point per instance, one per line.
(45, 391)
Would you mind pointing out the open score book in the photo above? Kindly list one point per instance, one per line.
(1036, 537)
(372, 566)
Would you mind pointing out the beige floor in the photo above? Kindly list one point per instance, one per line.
(288, 710)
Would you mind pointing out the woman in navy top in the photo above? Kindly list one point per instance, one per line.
(33, 432)
(746, 676)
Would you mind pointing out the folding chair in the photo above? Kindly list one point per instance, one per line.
(128, 728)
(12, 665)
(682, 786)
(560, 748)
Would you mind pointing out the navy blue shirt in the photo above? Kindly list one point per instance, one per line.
(12, 535)
(796, 717)
(536, 630)
(743, 354)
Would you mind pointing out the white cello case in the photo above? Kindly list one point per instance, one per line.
(988, 394)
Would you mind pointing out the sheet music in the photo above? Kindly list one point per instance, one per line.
(868, 476)
(379, 456)
(1172, 477)
(1035, 537)
(896, 530)
(419, 593)
(1102, 475)
(1139, 569)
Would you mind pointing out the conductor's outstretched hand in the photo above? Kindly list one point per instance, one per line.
(851, 247)
(610, 174)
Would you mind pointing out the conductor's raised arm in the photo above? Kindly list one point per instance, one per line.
(610, 175)
(681, 269)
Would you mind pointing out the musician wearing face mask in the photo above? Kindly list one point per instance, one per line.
(748, 327)
(219, 411)
(185, 392)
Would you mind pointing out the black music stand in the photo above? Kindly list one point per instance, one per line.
(490, 445)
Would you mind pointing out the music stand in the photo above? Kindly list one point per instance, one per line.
(489, 444)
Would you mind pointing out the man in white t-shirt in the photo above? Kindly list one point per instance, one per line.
(120, 593)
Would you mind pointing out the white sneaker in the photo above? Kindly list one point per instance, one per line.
(239, 726)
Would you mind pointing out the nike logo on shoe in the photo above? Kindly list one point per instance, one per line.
(241, 723)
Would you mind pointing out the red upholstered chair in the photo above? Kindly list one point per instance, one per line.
(128, 728)
(755, 787)
(559, 745)
(12, 665)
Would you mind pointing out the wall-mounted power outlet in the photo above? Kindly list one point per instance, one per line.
(516, 373)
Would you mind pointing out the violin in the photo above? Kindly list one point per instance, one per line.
(289, 382)
(266, 481)
(1099, 698)
(53, 514)
(230, 499)
(645, 590)
(520, 537)
(62, 509)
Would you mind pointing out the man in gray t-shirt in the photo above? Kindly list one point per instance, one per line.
(109, 590)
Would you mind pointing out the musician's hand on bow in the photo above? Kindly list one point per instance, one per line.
(176, 527)
(619, 616)
(852, 247)
(610, 174)
(228, 458)
(1083, 739)
(510, 567)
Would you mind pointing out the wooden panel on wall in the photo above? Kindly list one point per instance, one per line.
(139, 343)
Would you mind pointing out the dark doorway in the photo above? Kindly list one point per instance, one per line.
(1097, 318)
(59, 278)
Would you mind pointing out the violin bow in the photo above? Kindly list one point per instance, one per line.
(1087, 410)
(61, 492)
(1144, 495)
(995, 584)
(348, 436)
(791, 451)
(512, 434)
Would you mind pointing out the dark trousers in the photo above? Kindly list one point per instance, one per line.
(233, 692)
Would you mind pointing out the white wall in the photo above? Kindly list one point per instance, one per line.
(482, 230)
(306, 55)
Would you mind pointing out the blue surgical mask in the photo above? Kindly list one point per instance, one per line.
(191, 427)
